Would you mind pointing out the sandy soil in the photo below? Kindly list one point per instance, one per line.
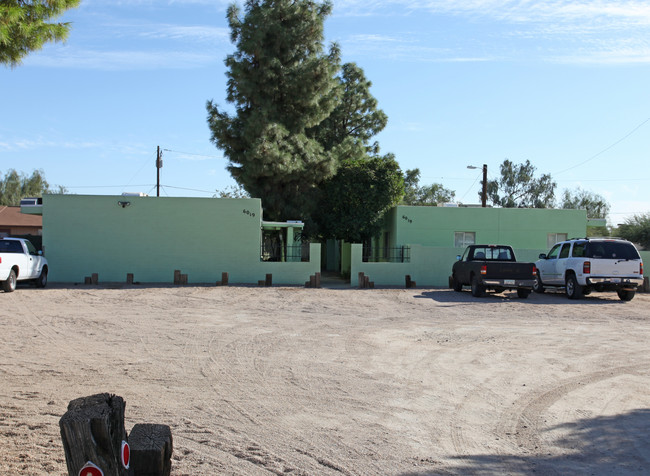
(257, 381)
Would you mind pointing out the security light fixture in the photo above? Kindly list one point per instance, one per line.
(123, 204)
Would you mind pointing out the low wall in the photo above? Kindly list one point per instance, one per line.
(429, 266)
(290, 273)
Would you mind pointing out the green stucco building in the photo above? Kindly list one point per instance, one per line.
(152, 237)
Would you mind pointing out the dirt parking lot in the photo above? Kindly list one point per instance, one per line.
(409, 382)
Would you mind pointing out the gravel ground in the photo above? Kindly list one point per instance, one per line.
(258, 381)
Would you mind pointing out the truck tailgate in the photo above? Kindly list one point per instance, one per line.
(509, 270)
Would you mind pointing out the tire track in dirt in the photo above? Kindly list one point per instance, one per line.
(524, 422)
(251, 353)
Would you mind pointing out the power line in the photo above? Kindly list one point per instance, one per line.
(606, 148)
(108, 186)
(190, 189)
(195, 155)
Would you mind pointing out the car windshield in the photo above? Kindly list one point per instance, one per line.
(610, 250)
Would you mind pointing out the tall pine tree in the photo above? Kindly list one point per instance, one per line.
(24, 26)
(282, 83)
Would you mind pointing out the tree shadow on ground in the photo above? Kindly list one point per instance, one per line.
(606, 445)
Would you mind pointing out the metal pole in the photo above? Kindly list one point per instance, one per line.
(484, 194)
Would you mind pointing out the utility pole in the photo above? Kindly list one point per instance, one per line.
(158, 167)
(484, 194)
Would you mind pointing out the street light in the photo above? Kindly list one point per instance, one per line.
(484, 193)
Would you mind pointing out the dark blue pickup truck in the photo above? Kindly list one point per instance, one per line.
(492, 267)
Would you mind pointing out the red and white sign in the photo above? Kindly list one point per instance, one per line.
(126, 454)
(89, 469)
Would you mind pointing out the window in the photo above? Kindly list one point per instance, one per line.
(554, 252)
(611, 250)
(579, 249)
(464, 238)
(30, 248)
(553, 238)
(565, 250)
(492, 253)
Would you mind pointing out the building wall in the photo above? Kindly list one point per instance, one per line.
(153, 236)
(430, 233)
(518, 227)
(429, 266)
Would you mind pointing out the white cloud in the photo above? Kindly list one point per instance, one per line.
(565, 31)
(179, 32)
(121, 60)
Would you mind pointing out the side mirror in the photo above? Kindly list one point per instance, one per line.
(542, 256)
(457, 257)
(40, 252)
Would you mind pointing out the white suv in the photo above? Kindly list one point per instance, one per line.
(589, 264)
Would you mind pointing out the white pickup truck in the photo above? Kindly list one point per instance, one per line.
(19, 261)
(584, 265)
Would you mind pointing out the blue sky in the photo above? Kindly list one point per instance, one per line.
(563, 83)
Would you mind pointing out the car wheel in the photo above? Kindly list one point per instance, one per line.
(538, 286)
(456, 284)
(625, 295)
(477, 288)
(523, 293)
(9, 285)
(573, 289)
(41, 281)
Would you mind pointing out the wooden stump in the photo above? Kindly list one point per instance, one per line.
(317, 276)
(177, 276)
(95, 278)
(151, 449)
(88, 280)
(269, 280)
(92, 430)
(362, 280)
(224, 279)
(129, 278)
